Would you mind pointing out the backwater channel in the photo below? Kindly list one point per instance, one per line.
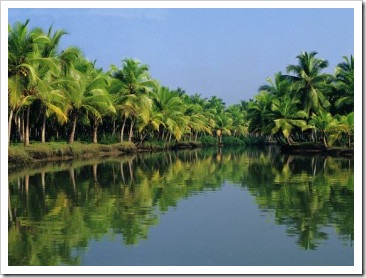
(247, 206)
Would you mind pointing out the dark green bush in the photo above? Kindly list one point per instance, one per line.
(232, 141)
(208, 140)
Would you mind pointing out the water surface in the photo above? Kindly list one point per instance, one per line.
(248, 206)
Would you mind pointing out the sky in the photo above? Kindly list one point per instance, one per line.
(228, 53)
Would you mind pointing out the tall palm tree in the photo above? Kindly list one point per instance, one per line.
(240, 124)
(345, 85)
(259, 113)
(49, 93)
(286, 116)
(309, 82)
(24, 61)
(86, 95)
(346, 125)
(131, 88)
(172, 109)
(326, 124)
(223, 125)
(278, 87)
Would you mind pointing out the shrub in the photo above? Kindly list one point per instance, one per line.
(108, 139)
(232, 141)
(208, 140)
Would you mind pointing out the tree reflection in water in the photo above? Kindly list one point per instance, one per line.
(56, 210)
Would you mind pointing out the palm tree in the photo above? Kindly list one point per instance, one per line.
(286, 116)
(223, 125)
(346, 125)
(259, 113)
(131, 88)
(171, 107)
(278, 87)
(325, 123)
(86, 95)
(25, 62)
(240, 124)
(309, 82)
(345, 85)
(48, 94)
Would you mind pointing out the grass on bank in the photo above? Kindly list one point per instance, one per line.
(18, 154)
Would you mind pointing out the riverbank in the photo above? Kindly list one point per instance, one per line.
(20, 156)
(313, 148)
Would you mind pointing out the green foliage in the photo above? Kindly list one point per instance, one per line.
(208, 140)
(107, 139)
(80, 202)
(77, 100)
(232, 141)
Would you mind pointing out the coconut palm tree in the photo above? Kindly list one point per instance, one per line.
(286, 116)
(131, 88)
(224, 125)
(259, 113)
(346, 125)
(308, 81)
(87, 96)
(240, 124)
(345, 85)
(326, 124)
(24, 63)
(278, 87)
(49, 93)
(171, 107)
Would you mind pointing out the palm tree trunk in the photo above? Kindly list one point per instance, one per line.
(95, 132)
(288, 140)
(131, 132)
(18, 126)
(349, 141)
(325, 140)
(26, 137)
(72, 134)
(9, 125)
(23, 128)
(43, 139)
(114, 127)
(123, 129)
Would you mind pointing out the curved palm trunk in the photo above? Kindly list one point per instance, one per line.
(114, 128)
(26, 136)
(325, 140)
(43, 139)
(95, 132)
(123, 129)
(9, 125)
(131, 131)
(72, 134)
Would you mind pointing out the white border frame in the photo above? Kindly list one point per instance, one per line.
(358, 216)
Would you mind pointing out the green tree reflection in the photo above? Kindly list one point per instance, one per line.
(56, 210)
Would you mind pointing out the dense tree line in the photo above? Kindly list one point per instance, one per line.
(60, 95)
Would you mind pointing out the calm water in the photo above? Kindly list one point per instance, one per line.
(250, 206)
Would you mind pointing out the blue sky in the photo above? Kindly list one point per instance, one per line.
(224, 52)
